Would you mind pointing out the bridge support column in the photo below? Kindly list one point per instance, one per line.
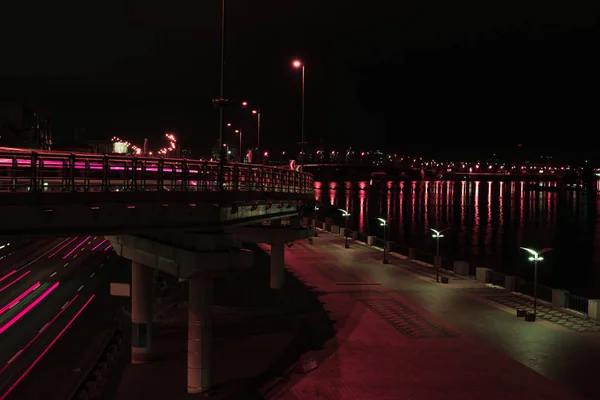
(277, 264)
(141, 312)
(200, 333)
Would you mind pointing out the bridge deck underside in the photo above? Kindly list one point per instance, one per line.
(130, 212)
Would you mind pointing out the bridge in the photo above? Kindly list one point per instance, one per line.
(187, 218)
(392, 172)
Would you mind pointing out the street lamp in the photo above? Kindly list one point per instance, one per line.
(239, 131)
(257, 113)
(437, 235)
(345, 214)
(316, 209)
(383, 223)
(299, 64)
(535, 257)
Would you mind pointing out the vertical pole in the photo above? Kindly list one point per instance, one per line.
(258, 134)
(241, 159)
(346, 233)
(221, 106)
(535, 277)
(302, 144)
(437, 259)
(385, 244)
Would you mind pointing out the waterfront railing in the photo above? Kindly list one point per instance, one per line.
(557, 298)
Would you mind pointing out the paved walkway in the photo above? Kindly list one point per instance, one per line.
(402, 336)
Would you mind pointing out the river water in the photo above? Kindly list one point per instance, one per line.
(488, 222)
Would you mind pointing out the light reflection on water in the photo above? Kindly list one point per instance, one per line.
(488, 223)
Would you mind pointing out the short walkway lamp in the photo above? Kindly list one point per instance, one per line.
(535, 257)
(345, 214)
(316, 209)
(437, 235)
(383, 223)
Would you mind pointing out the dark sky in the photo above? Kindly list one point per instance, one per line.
(401, 75)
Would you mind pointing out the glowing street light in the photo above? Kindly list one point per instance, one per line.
(299, 64)
(345, 214)
(257, 113)
(239, 132)
(384, 223)
(316, 208)
(437, 235)
(535, 257)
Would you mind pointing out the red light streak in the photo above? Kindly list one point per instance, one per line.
(19, 298)
(59, 250)
(76, 247)
(37, 360)
(14, 271)
(38, 334)
(28, 308)
(99, 244)
(15, 281)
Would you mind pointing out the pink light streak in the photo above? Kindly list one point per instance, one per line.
(62, 247)
(15, 281)
(76, 247)
(99, 244)
(28, 308)
(108, 247)
(14, 271)
(19, 298)
(37, 360)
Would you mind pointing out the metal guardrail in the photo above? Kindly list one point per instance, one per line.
(26, 171)
(576, 303)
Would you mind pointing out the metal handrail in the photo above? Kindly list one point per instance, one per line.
(33, 171)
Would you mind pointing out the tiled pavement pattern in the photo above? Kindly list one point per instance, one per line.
(402, 318)
(570, 320)
(489, 354)
(557, 316)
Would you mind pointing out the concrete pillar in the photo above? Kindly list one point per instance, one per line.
(355, 235)
(510, 283)
(559, 298)
(371, 240)
(483, 275)
(200, 333)
(412, 253)
(461, 268)
(335, 229)
(277, 264)
(343, 232)
(142, 296)
(594, 309)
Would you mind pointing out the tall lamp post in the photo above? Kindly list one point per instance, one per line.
(299, 64)
(239, 132)
(345, 214)
(256, 112)
(437, 235)
(535, 257)
(383, 223)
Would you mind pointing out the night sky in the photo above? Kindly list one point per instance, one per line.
(434, 77)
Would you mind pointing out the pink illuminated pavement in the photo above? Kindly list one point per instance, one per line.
(441, 343)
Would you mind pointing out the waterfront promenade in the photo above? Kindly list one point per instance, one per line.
(402, 336)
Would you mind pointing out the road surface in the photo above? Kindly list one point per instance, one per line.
(49, 290)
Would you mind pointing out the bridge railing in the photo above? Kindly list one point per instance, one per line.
(22, 171)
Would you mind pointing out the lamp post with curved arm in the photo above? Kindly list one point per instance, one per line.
(345, 214)
(535, 257)
(383, 223)
(437, 235)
